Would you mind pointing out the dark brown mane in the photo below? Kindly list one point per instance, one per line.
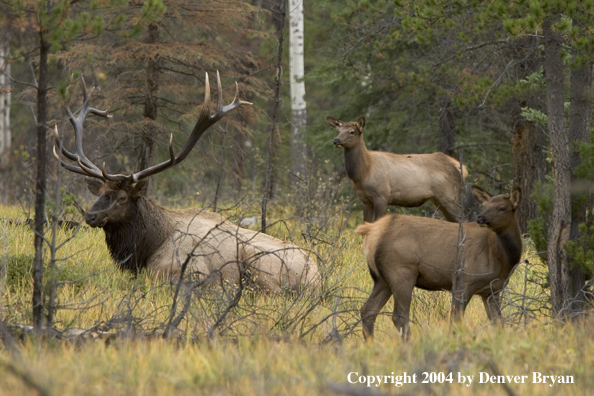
(133, 242)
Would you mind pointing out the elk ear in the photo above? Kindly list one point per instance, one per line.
(95, 186)
(361, 123)
(139, 189)
(333, 122)
(480, 195)
(516, 197)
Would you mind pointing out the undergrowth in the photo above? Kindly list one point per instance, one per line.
(294, 342)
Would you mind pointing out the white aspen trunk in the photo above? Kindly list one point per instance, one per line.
(298, 109)
(5, 90)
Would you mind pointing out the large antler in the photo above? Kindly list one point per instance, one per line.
(205, 121)
(85, 166)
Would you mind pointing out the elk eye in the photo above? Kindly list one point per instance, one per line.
(123, 198)
(502, 209)
(351, 132)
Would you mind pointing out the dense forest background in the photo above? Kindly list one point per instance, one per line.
(506, 88)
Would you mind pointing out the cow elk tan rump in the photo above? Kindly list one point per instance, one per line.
(141, 234)
(409, 180)
(404, 252)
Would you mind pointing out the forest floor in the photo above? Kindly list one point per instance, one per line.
(290, 343)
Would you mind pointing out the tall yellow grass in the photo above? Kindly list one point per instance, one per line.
(262, 351)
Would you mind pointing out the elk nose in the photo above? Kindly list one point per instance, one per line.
(337, 141)
(90, 218)
(481, 219)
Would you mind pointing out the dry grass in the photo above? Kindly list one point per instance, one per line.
(275, 344)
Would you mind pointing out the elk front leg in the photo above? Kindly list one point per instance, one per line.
(379, 208)
(458, 309)
(402, 284)
(377, 299)
(492, 303)
(451, 210)
(368, 216)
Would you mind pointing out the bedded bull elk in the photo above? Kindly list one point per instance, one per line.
(141, 234)
(410, 180)
(404, 252)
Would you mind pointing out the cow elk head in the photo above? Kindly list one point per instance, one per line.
(499, 211)
(349, 133)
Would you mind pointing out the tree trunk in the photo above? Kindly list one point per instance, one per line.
(239, 161)
(528, 144)
(40, 184)
(149, 125)
(269, 183)
(529, 140)
(561, 172)
(298, 104)
(447, 139)
(579, 128)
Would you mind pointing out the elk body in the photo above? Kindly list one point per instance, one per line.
(382, 178)
(143, 235)
(404, 252)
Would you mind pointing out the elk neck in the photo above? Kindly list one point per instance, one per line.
(133, 242)
(510, 243)
(357, 161)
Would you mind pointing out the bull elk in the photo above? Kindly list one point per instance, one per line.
(409, 180)
(141, 234)
(404, 252)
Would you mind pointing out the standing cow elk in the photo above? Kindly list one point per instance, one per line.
(407, 251)
(141, 234)
(409, 180)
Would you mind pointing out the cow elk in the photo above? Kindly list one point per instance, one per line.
(404, 252)
(141, 234)
(409, 180)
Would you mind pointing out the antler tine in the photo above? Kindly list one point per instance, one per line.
(80, 169)
(77, 123)
(66, 153)
(117, 177)
(206, 104)
(205, 121)
(219, 94)
(236, 101)
(222, 110)
(86, 96)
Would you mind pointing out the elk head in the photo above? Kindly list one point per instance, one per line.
(118, 193)
(349, 133)
(116, 203)
(499, 210)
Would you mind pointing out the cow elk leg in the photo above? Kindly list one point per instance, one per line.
(379, 209)
(402, 289)
(368, 211)
(379, 297)
(492, 303)
(458, 312)
(449, 209)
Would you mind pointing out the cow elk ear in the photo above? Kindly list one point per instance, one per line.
(361, 123)
(140, 189)
(516, 197)
(480, 195)
(333, 122)
(95, 186)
